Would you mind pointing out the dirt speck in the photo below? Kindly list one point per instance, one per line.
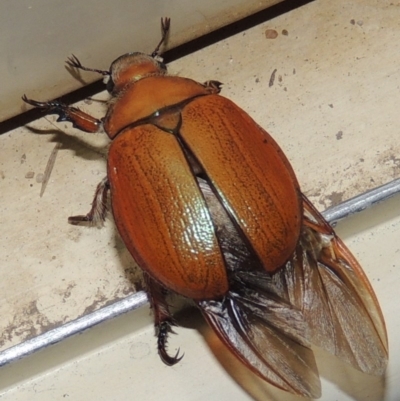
(25, 324)
(339, 135)
(66, 293)
(271, 34)
(285, 32)
(272, 78)
(335, 198)
(29, 175)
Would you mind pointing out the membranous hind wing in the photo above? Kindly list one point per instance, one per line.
(267, 335)
(325, 282)
(320, 296)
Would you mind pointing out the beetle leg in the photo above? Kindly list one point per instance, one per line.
(74, 62)
(163, 320)
(165, 25)
(78, 118)
(97, 213)
(213, 87)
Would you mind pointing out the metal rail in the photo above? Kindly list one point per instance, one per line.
(132, 302)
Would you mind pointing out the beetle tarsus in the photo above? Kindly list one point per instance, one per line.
(47, 106)
(163, 329)
(165, 25)
(74, 62)
(98, 211)
(163, 320)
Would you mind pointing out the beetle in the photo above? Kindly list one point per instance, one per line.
(210, 208)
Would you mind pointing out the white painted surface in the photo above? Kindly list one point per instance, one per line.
(334, 110)
(38, 35)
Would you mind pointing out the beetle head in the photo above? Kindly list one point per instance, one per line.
(130, 68)
(134, 66)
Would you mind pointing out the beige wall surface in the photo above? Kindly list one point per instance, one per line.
(38, 35)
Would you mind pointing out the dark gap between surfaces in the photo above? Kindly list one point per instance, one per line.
(169, 55)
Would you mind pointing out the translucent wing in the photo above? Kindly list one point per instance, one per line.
(327, 284)
(319, 296)
(267, 335)
(260, 327)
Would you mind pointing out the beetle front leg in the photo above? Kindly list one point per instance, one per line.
(78, 118)
(98, 211)
(163, 320)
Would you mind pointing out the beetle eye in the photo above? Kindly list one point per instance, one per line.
(162, 66)
(109, 83)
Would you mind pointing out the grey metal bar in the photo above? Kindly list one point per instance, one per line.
(132, 302)
(76, 326)
(361, 202)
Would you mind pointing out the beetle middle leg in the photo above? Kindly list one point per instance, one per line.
(163, 320)
(78, 118)
(213, 86)
(98, 211)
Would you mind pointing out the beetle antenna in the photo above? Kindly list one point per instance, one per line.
(74, 62)
(165, 25)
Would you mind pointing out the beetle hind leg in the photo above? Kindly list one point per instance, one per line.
(98, 211)
(162, 331)
(163, 320)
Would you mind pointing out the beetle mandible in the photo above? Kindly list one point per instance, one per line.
(210, 208)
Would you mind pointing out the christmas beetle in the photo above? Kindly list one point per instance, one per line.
(210, 208)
